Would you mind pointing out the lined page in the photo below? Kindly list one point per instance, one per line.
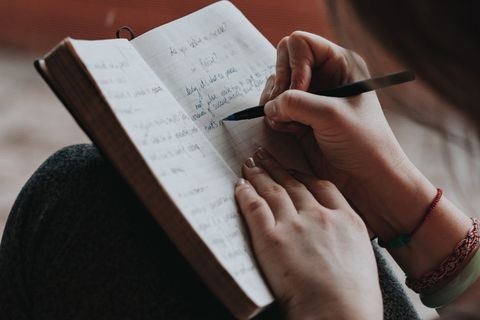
(215, 62)
(182, 159)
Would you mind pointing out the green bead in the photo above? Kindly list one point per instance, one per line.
(399, 241)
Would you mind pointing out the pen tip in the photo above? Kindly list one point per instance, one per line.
(230, 118)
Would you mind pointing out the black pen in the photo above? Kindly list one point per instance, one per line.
(347, 90)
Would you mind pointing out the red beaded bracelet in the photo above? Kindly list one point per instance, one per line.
(451, 265)
(404, 238)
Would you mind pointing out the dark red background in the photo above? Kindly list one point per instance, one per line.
(37, 25)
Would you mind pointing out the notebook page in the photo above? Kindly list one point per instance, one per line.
(182, 159)
(215, 62)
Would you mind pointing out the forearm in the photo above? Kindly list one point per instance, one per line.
(406, 194)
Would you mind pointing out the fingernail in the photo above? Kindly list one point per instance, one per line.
(250, 163)
(270, 109)
(271, 123)
(261, 153)
(240, 182)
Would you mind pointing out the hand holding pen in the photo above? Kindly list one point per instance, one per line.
(343, 91)
(347, 141)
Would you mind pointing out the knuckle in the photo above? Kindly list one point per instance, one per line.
(289, 99)
(282, 79)
(273, 190)
(344, 62)
(297, 226)
(342, 59)
(297, 35)
(293, 185)
(325, 185)
(283, 42)
(358, 60)
(283, 71)
(297, 63)
(349, 219)
(276, 240)
(300, 77)
(255, 205)
(353, 65)
(320, 218)
(355, 219)
(256, 173)
(271, 78)
(326, 219)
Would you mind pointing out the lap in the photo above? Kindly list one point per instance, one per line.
(78, 244)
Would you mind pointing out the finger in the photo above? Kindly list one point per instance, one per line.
(329, 60)
(301, 197)
(325, 192)
(257, 213)
(282, 69)
(314, 154)
(321, 48)
(276, 196)
(301, 62)
(306, 108)
(295, 128)
(267, 91)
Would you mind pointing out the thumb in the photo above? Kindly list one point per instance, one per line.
(303, 107)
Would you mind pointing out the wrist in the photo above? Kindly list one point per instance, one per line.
(395, 199)
(436, 239)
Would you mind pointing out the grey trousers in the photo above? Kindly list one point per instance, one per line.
(79, 245)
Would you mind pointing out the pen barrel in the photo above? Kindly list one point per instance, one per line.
(347, 90)
(367, 85)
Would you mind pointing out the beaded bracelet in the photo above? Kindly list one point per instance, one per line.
(457, 286)
(462, 252)
(404, 238)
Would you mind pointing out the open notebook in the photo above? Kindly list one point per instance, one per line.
(153, 105)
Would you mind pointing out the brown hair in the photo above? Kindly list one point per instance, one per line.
(439, 40)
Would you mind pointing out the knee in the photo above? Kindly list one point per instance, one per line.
(72, 166)
(68, 171)
(52, 188)
(72, 160)
(74, 182)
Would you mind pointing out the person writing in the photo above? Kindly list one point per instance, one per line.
(311, 234)
(313, 247)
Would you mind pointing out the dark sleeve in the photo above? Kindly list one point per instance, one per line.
(79, 245)
(396, 304)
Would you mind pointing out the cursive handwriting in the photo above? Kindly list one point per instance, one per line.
(195, 41)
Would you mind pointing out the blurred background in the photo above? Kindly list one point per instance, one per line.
(33, 123)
